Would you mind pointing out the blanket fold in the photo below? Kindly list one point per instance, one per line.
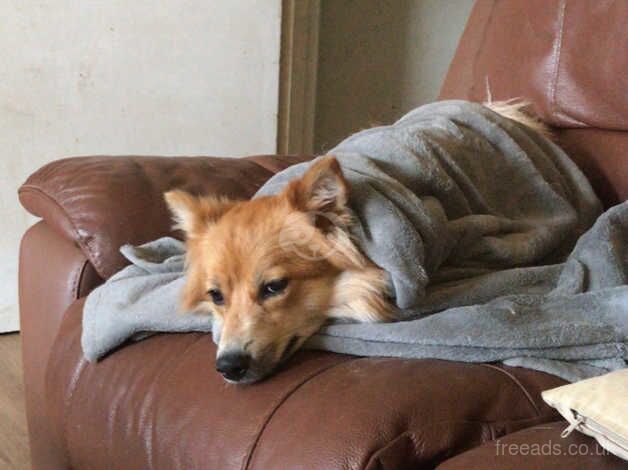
(488, 232)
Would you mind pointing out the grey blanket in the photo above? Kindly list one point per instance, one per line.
(475, 218)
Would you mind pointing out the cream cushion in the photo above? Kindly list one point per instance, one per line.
(597, 407)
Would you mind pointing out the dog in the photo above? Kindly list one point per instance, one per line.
(274, 269)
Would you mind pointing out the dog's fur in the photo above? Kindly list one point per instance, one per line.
(273, 269)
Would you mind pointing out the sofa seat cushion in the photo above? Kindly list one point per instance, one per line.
(159, 403)
(538, 447)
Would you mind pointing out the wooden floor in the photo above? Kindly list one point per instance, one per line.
(13, 434)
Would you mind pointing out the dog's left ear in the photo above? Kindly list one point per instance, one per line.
(322, 188)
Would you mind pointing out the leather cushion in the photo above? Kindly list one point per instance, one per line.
(569, 60)
(567, 57)
(104, 202)
(159, 403)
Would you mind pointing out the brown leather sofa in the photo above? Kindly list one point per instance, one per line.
(160, 404)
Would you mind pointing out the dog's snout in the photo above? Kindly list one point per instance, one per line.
(233, 365)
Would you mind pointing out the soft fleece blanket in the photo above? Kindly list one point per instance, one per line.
(475, 218)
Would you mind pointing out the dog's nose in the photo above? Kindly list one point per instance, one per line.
(233, 365)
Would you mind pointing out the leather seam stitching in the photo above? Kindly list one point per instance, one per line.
(281, 401)
(29, 188)
(78, 279)
(556, 59)
(518, 384)
(480, 48)
(554, 101)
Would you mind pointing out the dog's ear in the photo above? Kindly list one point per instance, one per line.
(193, 213)
(322, 188)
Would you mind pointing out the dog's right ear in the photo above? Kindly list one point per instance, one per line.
(194, 213)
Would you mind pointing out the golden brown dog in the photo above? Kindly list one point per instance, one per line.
(273, 269)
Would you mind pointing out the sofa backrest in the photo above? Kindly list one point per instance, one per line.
(570, 60)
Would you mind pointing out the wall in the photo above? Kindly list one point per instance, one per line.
(128, 77)
(379, 59)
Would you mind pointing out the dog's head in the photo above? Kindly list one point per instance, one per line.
(273, 269)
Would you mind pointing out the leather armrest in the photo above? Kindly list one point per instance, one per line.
(103, 202)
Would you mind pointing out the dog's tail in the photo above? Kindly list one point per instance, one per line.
(515, 109)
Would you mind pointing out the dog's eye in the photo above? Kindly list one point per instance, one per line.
(274, 287)
(216, 296)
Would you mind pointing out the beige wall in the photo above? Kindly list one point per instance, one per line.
(128, 77)
(379, 59)
(194, 77)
